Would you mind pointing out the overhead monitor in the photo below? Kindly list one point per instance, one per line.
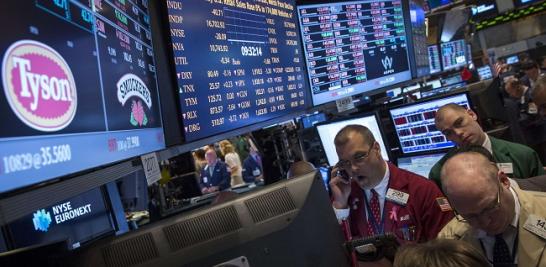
(453, 54)
(521, 3)
(414, 124)
(328, 131)
(432, 4)
(484, 9)
(77, 219)
(236, 65)
(78, 79)
(420, 62)
(353, 47)
(485, 72)
(434, 59)
(421, 164)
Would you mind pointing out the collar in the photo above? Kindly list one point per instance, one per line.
(487, 144)
(381, 188)
(213, 165)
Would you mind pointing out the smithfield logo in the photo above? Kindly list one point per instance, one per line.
(39, 86)
(41, 220)
(131, 85)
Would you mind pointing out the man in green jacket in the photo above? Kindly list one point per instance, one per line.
(460, 126)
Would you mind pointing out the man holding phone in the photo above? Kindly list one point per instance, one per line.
(376, 197)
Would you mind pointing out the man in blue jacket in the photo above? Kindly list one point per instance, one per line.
(252, 167)
(215, 175)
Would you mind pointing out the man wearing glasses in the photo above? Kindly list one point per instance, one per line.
(460, 126)
(377, 197)
(505, 223)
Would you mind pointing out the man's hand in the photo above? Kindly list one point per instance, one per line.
(341, 189)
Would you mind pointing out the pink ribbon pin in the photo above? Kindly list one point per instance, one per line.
(393, 214)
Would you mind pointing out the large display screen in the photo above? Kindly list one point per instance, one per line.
(78, 87)
(434, 59)
(353, 47)
(485, 9)
(419, 36)
(77, 220)
(453, 54)
(415, 128)
(237, 63)
(328, 131)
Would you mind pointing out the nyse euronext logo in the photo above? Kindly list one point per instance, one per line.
(41, 220)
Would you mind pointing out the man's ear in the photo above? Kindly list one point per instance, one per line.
(503, 179)
(472, 114)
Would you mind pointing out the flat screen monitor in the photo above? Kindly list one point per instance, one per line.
(327, 132)
(236, 65)
(434, 59)
(310, 120)
(438, 3)
(451, 80)
(77, 219)
(353, 47)
(277, 225)
(485, 72)
(521, 3)
(392, 93)
(78, 79)
(484, 9)
(415, 128)
(512, 59)
(420, 64)
(453, 54)
(421, 164)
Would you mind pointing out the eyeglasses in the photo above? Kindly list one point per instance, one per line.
(358, 158)
(486, 212)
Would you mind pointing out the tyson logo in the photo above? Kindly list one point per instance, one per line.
(39, 86)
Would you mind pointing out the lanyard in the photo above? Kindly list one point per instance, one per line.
(378, 229)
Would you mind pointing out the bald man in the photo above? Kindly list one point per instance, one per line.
(460, 126)
(215, 175)
(506, 224)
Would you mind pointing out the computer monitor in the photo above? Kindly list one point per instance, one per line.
(484, 9)
(310, 120)
(434, 59)
(512, 59)
(354, 47)
(485, 72)
(421, 164)
(453, 54)
(419, 54)
(328, 131)
(434, 83)
(415, 127)
(289, 223)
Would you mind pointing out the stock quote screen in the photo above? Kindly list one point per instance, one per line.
(78, 87)
(353, 47)
(415, 127)
(237, 63)
(453, 54)
(434, 59)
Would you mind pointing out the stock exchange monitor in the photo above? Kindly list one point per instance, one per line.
(237, 63)
(78, 79)
(453, 54)
(434, 59)
(353, 47)
(414, 124)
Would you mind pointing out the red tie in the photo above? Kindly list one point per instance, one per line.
(374, 206)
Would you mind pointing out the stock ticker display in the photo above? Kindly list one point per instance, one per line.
(414, 124)
(78, 79)
(353, 47)
(434, 59)
(453, 54)
(237, 63)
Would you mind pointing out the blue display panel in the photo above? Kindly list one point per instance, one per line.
(415, 128)
(485, 9)
(79, 88)
(453, 54)
(434, 59)
(485, 72)
(419, 36)
(419, 164)
(311, 119)
(353, 47)
(237, 63)
(77, 220)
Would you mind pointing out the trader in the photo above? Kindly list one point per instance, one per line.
(215, 175)
(460, 126)
(376, 197)
(505, 223)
